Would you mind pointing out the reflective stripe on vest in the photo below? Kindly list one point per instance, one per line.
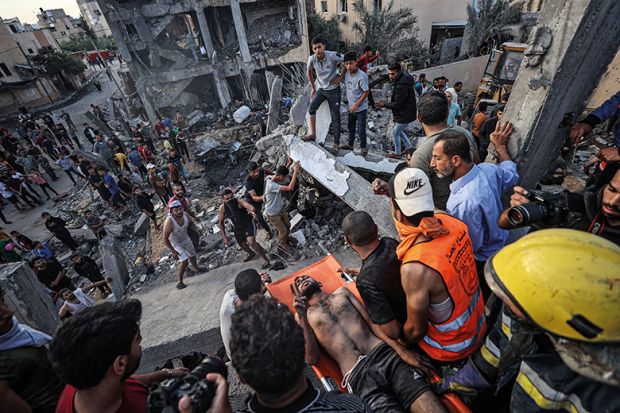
(544, 396)
(460, 320)
(457, 347)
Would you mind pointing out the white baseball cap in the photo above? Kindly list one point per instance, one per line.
(150, 166)
(411, 189)
(175, 204)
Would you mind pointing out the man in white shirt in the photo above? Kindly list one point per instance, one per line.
(454, 91)
(274, 208)
(247, 283)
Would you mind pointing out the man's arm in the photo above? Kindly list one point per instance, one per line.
(256, 198)
(158, 376)
(400, 96)
(500, 138)
(301, 316)
(10, 402)
(220, 220)
(310, 76)
(166, 236)
(359, 102)
(407, 356)
(88, 288)
(249, 207)
(57, 280)
(414, 281)
(291, 185)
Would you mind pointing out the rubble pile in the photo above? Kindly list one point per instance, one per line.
(274, 34)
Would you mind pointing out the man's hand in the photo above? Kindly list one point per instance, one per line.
(296, 166)
(220, 403)
(379, 187)
(502, 133)
(610, 154)
(54, 283)
(226, 241)
(519, 197)
(580, 130)
(312, 91)
(300, 303)
(353, 108)
(377, 53)
(179, 372)
(416, 360)
(265, 278)
(175, 255)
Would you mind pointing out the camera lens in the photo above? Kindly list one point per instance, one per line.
(527, 214)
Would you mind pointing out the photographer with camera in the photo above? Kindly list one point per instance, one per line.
(597, 210)
(97, 353)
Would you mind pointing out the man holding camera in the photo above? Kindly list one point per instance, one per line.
(97, 353)
(597, 210)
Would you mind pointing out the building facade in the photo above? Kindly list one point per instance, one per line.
(29, 39)
(91, 12)
(61, 25)
(205, 53)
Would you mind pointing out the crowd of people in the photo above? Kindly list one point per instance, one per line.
(505, 324)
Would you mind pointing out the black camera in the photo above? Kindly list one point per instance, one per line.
(549, 209)
(164, 397)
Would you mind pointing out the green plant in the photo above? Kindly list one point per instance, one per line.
(393, 32)
(59, 63)
(85, 43)
(488, 26)
(328, 29)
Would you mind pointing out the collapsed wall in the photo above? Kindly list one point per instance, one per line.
(204, 54)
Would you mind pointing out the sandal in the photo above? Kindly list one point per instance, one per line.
(180, 286)
(364, 152)
(346, 148)
(393, 156)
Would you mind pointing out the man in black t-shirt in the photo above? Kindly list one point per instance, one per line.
(378, 279)
(144, 203)
(58, 227)
(51, 274)
(255, 188)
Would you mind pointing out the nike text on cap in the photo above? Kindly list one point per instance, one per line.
(412, 191)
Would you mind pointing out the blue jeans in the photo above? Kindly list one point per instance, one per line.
(357, 120)
(398, 135)
(333, 100)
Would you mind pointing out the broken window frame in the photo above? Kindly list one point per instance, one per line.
(323, 6)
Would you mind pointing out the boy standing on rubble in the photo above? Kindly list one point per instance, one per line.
(356, 84)
(325, 65)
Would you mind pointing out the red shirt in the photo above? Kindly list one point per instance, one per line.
(362, 62)
(135, 395)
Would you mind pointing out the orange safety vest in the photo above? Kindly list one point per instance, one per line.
(452, 256)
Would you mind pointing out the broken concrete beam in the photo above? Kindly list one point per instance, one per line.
(575, 39)
(268, 141)
(275, 103)
(28, 297)
(369, 163)
(342, 181)
(299, 109)
(142, 225)
(113, 262)
(323, 120)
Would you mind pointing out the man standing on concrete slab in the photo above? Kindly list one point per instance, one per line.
(275, 210)
(58, 227)
(402, 105)
(255, 189)
(247, 283)
(178, 241)
(325, 64)
(476, 190)
(28, 382)
(144, 203)
(242, 215)
(51, 274)
(356, 84)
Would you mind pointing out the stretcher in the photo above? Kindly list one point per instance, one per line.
(326, 272)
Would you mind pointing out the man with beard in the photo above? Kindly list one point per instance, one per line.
(476, 190)
(178, 194)
(177, 240)
(379, 370)
(97, 352)
(597, 210)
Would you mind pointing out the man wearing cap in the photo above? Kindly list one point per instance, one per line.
(445, 308)
(178, 241)
(159, 184)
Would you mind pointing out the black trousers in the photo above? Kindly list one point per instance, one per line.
(66, 238)
(48, 186)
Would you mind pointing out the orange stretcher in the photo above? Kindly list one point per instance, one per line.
(326, 272)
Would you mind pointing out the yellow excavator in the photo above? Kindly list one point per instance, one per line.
(501, 72)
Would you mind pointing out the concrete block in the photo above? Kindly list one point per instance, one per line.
(28, 297)
(113, 262)
(299, 109)
(115, 230)
(275, 102)
(142, 225)
(323, 120)
(83, 235)
(264, 143)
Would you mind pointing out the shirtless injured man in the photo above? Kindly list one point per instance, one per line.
(381, 371)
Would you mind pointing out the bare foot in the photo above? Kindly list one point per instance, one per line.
(308, 137)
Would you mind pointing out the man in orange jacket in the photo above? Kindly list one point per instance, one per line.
(445, 308)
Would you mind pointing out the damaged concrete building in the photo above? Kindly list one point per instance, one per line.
(191, 54)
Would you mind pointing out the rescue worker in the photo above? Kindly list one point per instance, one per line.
(445, 308)
(558, 336)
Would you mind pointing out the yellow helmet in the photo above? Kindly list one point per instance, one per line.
(565, 281)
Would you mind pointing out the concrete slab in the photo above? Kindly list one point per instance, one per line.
(323, 120)
(28, 297)
(177, 322)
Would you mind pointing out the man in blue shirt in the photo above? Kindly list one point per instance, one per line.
(110, 183)
(476, 190)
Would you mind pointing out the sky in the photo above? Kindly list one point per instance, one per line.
(26, 9)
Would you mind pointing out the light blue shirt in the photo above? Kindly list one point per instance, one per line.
(476, 200)
(453, 113)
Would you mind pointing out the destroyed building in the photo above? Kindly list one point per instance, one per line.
(204, 54)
